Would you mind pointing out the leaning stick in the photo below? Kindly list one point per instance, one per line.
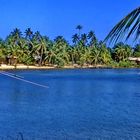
(27, 81)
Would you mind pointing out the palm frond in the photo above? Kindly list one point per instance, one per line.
(127, 27)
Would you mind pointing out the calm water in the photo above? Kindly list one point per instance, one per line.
(96, 104)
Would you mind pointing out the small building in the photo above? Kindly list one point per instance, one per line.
(11, 60)
(136, 59)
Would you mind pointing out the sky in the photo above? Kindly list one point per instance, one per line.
(60, 17)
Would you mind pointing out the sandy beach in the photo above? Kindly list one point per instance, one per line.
(22, 66)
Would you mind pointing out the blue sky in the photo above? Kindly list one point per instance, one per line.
(60, 17)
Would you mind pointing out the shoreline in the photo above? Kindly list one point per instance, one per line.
(24, 67)
(32, 67)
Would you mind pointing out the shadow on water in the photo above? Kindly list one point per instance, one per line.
(19, 136)
(65, 136)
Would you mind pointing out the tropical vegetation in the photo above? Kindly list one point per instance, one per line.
(31, 48)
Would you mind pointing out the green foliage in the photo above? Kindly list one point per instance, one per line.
(126, 64)
(121, 52)
(137, 51)
(2, 54)
(105, 55)
(35, 49)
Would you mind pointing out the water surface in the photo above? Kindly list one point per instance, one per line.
(78, 105)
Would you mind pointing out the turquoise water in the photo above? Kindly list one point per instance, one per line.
(90, 104)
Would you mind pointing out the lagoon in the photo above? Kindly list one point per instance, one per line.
(80, 104)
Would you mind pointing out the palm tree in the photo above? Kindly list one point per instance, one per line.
(61, 51)
(79, 28)
(121, 52)
(57, 53)
(17, 34)
(74, 54)
(86, 56)
(16, 47)
(28, 33)
(105, 54)
(128, 27)
(93, 40)
(59, 39)
(84, 39)
(95, 52)
(37, 36)
(75, 38)
(40, 50)
(2, 51)
(2, 43)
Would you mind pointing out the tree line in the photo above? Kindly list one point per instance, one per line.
(31, 48)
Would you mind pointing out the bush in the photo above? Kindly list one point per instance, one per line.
(126, 64)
